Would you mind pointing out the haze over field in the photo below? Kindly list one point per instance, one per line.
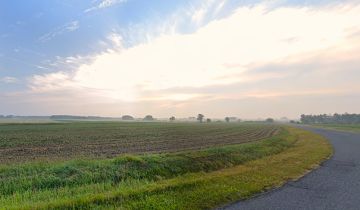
(218, 57)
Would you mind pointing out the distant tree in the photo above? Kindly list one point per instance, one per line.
(327, 119)
(148, 118)
(192, 118)
(208, 120)
(269, 120)
(227, 119)
(72, 117)
(292, 121)
(127, 117)
(200, 118)
(172, 118)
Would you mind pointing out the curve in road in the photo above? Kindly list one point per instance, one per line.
(334, 185)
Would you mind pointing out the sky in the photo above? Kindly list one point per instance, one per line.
(249, 59)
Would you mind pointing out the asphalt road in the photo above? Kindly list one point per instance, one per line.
(334, 185)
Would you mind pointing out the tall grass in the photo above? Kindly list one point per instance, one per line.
(38, 176)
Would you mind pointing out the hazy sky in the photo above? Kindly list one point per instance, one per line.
(248, 59)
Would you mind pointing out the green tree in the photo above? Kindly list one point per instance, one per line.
(148, 118)
(269, 120)
(127, 117)
(200, 118)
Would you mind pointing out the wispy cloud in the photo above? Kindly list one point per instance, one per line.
(104, 4)
(9, 80)
(208, 10)
(68, 27)
(184, 20)
(69, 62)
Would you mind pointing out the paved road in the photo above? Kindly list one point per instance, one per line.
(335, 185)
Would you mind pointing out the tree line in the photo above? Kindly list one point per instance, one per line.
(327, 119)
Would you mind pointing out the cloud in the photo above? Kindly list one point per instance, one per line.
(68, 62)
(116, 41)
(104, 4)
(208, 10)
(9, 80)
(68, 27)
(254, 53)
(198, 15)
(184, 20)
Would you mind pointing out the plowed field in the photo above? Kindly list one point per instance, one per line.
(61, 141)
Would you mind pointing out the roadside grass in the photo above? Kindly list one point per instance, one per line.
(341, 127)
(184, 180)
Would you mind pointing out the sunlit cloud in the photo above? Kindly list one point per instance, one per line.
(213, 54)
(261, 58)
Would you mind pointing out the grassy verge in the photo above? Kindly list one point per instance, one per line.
(186, 180)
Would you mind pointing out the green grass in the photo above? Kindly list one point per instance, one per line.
(183, 180)
(341, 127)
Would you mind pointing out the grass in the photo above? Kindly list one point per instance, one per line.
(182, 180)
(341, 127)
(66, 141)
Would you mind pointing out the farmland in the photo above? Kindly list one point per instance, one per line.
(112, 165)
(59, 141)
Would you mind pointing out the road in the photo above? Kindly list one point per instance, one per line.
(334, 185)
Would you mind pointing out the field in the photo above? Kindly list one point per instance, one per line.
(172, 165)
(341, 127)
(59, 141)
